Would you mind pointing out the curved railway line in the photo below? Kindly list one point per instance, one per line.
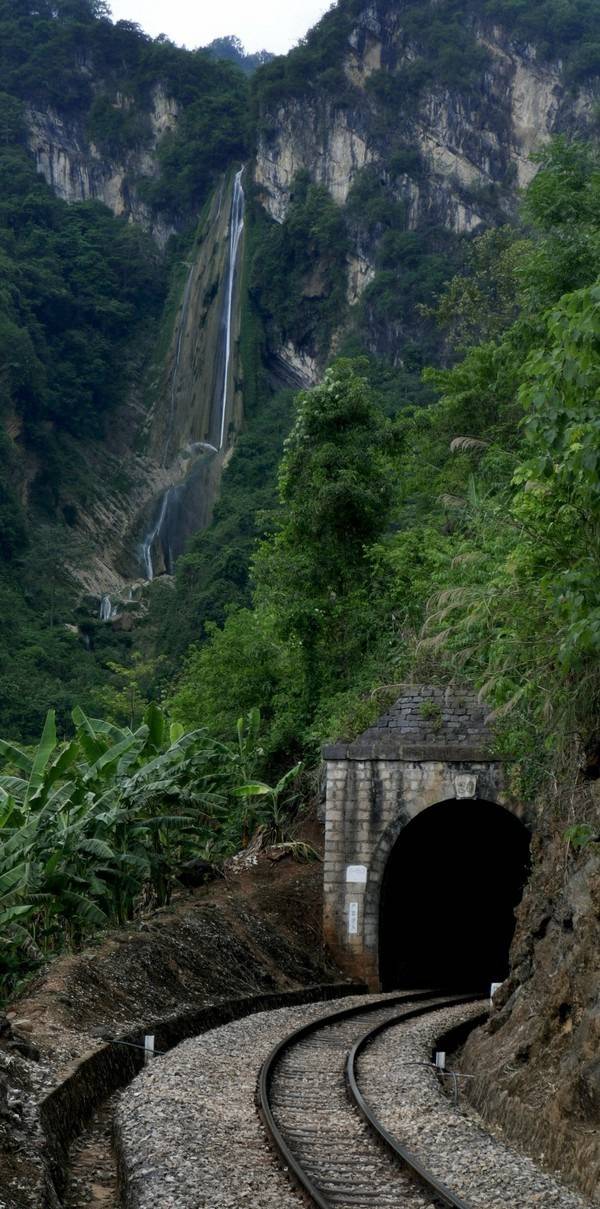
(324, 1129)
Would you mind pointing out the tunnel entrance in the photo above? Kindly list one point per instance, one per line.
(452, 882)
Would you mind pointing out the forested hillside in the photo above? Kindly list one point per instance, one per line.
(455, 539)
(81, 304)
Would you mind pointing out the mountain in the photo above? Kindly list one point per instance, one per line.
(419, 121)
(298, 405)
(232, 49)
(374, 153)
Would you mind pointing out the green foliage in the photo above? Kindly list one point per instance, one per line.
(114, 126)
(581, 835)
(95, 827)
(214, 575)
(231, 49)
(516, 605)
(568, 30)
(480, 305)
(51, 52)
(315, 65)
(78, 286)
(212, 132)
(314, 615)
(461, 540)
(444, 49)
(298, 271)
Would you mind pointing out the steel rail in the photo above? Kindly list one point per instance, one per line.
(415, 1167)
(429, 1001)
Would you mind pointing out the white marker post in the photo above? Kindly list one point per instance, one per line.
(148, 1048)
(495, 987)
(440, 1059)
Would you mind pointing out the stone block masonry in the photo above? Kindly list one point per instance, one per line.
(432, 746)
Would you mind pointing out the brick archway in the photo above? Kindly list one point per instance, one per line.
(433, 746)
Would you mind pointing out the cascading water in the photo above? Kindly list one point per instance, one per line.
(155, 534)
(108, 612)
(236, 228)
(168, 523)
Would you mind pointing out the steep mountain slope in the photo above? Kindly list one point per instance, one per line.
(91, 319)
(420, 121)
(382, 145)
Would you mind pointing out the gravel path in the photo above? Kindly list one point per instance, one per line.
(410, 1103)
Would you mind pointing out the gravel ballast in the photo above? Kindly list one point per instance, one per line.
(187, 1129)
(189, 1136)
(409, 1101)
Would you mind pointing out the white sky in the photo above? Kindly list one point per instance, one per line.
(274, 25)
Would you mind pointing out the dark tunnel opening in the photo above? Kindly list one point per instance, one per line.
(451, 885)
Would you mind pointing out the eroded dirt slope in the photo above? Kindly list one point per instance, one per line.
(256, 932)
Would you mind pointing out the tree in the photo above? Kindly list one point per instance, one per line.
(336, 490)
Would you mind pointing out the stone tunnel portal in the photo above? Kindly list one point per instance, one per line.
(454, 876)
(426, 850)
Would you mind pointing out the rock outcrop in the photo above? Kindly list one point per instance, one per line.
(537, 1062)
(78, 170)
(469, 140)
(453, 157)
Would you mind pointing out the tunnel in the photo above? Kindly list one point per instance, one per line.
(449, 892)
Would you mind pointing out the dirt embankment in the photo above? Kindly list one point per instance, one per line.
(251, 935)
(538, 1058)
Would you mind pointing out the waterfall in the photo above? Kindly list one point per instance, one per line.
(153, 534)
(236, 228)
(108, 612)
(169, 519)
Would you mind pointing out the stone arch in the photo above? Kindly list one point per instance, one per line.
(432, 747)
(489, 906)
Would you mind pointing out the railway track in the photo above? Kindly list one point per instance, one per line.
(322, 1126)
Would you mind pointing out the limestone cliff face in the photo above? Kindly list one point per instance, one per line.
(467, 140)
(156, 440)
(78, 170)
(469, 148)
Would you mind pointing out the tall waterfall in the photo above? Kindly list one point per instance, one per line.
(236, 227)
(155, 533)
(167, 532)
(107, 612)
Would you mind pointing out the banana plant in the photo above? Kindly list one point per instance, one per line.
(98, 824)
(271, 808)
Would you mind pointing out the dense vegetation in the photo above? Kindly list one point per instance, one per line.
(443, 47)
(81, 297)
(79, 291)
(97, 827)
(387, 524)
(474, 518)
(299, 269)
(232, 49)
(67, 55)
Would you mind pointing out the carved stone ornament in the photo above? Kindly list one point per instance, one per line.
(465, 787)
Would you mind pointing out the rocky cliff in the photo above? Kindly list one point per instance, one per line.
(535, 1068)
(78, 170)
(415, 157)
(159, 440)
(450, 154)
